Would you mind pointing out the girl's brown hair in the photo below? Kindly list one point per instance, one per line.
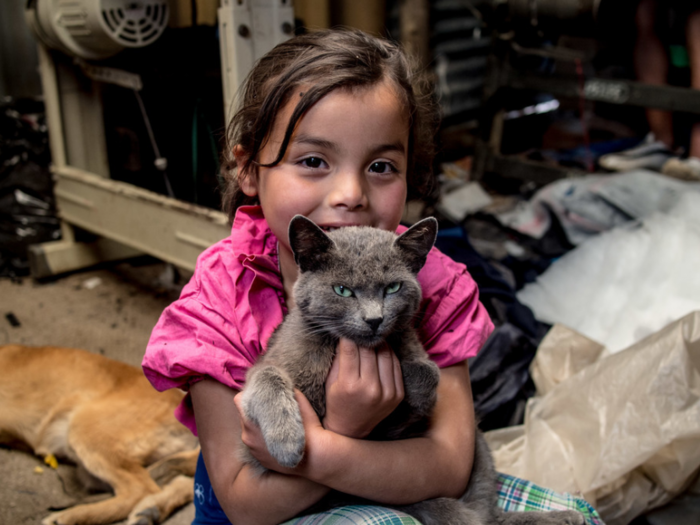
(322, 62)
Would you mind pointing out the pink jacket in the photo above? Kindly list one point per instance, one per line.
(222, 321)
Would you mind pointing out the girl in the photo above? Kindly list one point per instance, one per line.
(334, 126)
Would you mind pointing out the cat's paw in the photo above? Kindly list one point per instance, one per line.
(420, 383)
(268, 401)
(288, 450)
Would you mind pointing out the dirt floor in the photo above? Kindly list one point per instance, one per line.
(110, 311)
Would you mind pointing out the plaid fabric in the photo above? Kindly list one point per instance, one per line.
(356, 515)
(514, 494)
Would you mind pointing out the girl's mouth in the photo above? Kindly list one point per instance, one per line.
(337, 227)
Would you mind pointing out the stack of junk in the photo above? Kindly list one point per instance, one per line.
(594, 286)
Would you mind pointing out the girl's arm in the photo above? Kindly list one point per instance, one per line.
(393, 472)
(247, 498)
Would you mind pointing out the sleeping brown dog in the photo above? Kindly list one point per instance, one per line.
(104, 416)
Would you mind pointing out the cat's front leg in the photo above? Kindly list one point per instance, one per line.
(420, 379)
(268, 401)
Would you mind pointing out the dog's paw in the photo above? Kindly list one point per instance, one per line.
(147, 516)
(55, 518)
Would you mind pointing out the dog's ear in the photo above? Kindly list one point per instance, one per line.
(309, 243)
(416, 242)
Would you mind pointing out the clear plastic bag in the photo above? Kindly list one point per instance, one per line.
(622, 429)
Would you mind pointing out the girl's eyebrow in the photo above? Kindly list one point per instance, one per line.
(327, 144)
(395, 146)
(315, 141)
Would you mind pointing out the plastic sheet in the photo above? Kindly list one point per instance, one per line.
(625, 283)
(586, 206)
(623, 430)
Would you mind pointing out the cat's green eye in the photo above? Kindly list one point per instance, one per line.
(342, 291)
(392, 288)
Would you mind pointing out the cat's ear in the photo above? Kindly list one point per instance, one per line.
(416, 242)
(309, 243)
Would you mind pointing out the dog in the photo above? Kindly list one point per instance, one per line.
(104, 416)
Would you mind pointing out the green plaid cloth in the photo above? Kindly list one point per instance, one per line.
(514, 494)
(356, 515)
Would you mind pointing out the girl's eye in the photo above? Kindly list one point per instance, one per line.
(312, 162)
(392, 288)
(382, 167)
(342, 290)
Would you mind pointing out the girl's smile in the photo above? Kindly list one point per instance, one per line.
(345, 165)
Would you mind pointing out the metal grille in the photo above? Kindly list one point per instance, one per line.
(136, 24)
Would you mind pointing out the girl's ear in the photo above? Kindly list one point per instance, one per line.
(246, 180)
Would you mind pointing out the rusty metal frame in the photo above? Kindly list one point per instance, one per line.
(130, 220)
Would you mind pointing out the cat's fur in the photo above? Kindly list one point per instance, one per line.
(368, 262)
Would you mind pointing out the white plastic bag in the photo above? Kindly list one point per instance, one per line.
(628, 282)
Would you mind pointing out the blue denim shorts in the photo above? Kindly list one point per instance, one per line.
(207, 510)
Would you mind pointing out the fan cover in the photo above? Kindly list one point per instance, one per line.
(95, 29)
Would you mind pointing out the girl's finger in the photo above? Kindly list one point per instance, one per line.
(398, 376)
(237, 401)
(308, 414)
(386, 368)
(334, 372)
(348, 357)
(368, 366)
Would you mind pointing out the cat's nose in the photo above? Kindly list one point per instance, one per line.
(374, 322)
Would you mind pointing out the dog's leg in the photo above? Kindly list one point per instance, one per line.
(155, 508)
(131, 483)
(106, 453)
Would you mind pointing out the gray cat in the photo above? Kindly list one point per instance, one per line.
(360, 283)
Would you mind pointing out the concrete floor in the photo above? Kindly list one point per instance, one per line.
(110, 310)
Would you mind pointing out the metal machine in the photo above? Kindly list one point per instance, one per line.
(561, 17)
(74, 35)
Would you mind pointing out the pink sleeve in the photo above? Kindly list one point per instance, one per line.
(190, 341)
(454, 323)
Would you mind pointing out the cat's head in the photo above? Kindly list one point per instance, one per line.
(359, 282)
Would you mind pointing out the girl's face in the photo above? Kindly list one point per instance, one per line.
(345, 164)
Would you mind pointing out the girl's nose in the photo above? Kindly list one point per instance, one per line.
(349, 192)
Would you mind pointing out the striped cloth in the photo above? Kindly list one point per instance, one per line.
(514, 494)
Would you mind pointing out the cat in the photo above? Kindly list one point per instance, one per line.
(360, 283)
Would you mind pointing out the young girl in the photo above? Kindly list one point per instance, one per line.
(333, 126)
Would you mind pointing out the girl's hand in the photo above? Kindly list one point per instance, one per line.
(363, 387)
(252, 436)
